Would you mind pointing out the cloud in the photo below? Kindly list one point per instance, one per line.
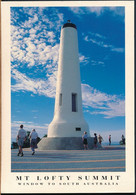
(98, 11)
(33, 52)
(97, 35)
(120, 50)
(36, 86)
(35, 37)
(101, 41)
(108, 105)
(77, 10)
(83, 59)
(118, 11)
(97, 62)
(115, 109)
(87, 10)
(86, 60)
(35, 48)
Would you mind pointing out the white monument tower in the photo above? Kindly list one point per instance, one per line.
(68, 125)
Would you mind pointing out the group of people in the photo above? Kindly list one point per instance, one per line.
(21, 138)
(98, 139)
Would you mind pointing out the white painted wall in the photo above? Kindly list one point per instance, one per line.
(68, 81)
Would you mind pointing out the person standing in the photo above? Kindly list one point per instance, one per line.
(95, 140)
(21, 137)
(109, 139)
(84, 138)
(123, 139)
(100, 139)
(33, 142)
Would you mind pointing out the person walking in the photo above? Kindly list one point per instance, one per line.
(95, 140)
(21, 137)
(84, 138)
(100, 139)
(33, 142)
(109, 139)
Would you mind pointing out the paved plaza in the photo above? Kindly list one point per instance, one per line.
(108, 159)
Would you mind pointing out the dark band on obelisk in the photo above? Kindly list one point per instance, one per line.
(69, 24)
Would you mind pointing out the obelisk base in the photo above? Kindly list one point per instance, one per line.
(65, 143)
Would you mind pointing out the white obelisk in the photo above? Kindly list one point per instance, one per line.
(68, 124)
(68, 118)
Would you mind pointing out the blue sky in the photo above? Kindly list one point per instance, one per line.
(35, 38)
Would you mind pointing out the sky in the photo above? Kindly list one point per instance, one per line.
(35, 40)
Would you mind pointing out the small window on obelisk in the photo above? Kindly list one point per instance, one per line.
(60, 99)
(74, 102)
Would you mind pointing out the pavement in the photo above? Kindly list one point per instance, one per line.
(108, 159)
